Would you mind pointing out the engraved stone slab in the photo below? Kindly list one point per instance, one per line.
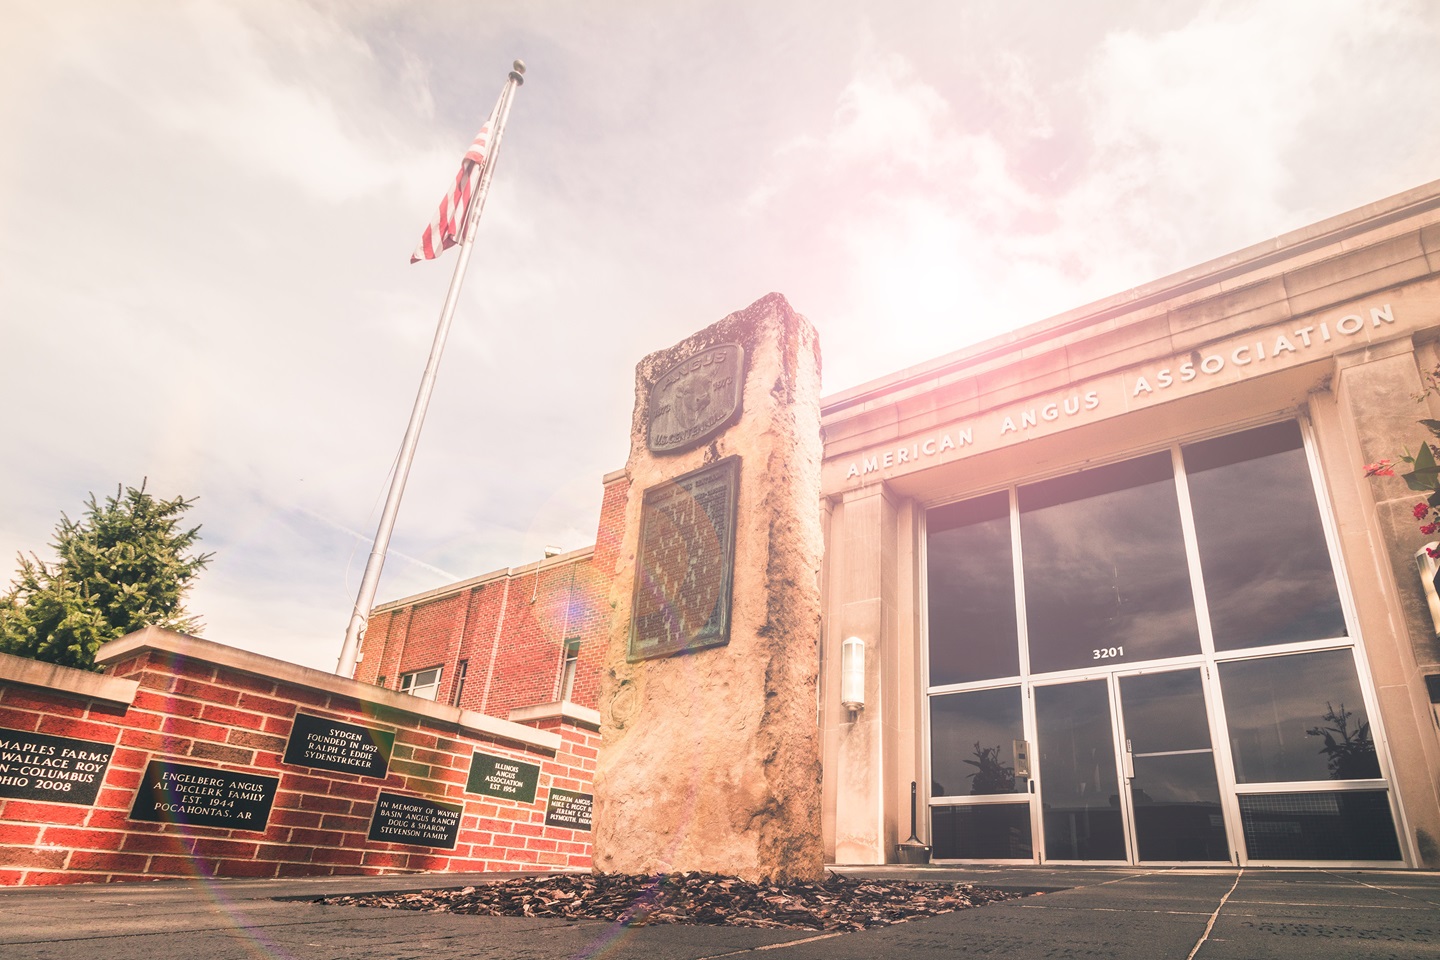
(203, 797)
(686, 563)
(696, 398)
(34, 766)
(569, 809)
(415, 820)
(502, 777)
(325, 744)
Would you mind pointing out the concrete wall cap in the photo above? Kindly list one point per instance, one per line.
(67, 680)
(281, 671)
(561, 709)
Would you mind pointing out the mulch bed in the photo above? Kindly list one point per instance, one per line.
(836, 903)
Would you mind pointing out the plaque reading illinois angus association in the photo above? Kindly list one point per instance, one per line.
(415, 820)
(34, 766)
(203, 797)
(502, 777)
(334, 745)
(696, 398)
(567, 808)
(686, 563)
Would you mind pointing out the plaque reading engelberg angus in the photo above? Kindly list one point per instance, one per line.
(685, 564)
(415, 820)
(345, 747)
(502, 777)
(569, 809)
(203, 797)
(696, 398)
(34, 766)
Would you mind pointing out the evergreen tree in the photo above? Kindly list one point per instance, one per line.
(126, 565)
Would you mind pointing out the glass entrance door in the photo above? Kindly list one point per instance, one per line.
(1126, 770)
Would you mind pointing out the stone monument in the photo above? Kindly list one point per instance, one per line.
(710, 748)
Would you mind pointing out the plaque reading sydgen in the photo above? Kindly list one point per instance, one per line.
(345, 747)
(415, 820)
(686, 563)
(569, 809)
(502, 777)
(34, 766)
(203, 797)
(696, 398)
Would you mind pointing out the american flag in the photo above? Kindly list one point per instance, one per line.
(445, 230)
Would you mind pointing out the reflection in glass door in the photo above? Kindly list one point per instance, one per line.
(1170, 763)
(1079, 784)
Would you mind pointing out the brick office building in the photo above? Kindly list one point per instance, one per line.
(505, 640)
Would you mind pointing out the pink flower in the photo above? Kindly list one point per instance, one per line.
(1420, 510)
(1429, 528)
(1433, 552)
(1380, 468)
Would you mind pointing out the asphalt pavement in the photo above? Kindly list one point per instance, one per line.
(1082, 912)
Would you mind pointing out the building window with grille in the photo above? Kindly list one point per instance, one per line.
(567, 667)
(460, 670)
(424, 684)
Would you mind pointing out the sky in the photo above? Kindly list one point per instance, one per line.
(207, 211)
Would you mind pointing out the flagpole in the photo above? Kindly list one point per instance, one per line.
(370, 582)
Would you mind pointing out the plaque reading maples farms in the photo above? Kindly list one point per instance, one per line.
(34, 766)
(686, 562)
(502, 777)
(326, 744)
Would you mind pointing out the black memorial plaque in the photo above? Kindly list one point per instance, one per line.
(686, 563)
(416, 821)
(344, 747)
(203, 797)
(696, 398)
(569, 809)
(502, 777)
(35, 766)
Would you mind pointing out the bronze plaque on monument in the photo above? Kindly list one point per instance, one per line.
(696, 398)
(686, 563)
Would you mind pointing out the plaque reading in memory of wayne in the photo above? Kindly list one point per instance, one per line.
(344, 747)
(415, 820)
(502, 777)
(569, 809)
(34, 766)
(696, 398)
(203, 797)
(686, 563)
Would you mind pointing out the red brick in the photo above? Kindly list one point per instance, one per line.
(44, 879)
(311, 698)
(182, 667)
(159, 743)
(537, 843)
(355, 791)
(331, 855)
(114, 798)
(201, 750)
(183, 866)
(248, 683)
(108, 861)
(118, 819)
(82, 729)
(317, 838)
(294, 818)
(292, 869)
(376, 859)
(37, 812)
(303, 783)
(77, 839)
(246, 868)
(278, 725)
(311, 801)
(17, 698)
(231, 717)
(259, 741)
(166, 843)
(335, 821)
(169, 706)
(21, 835)
(194, 729)
(19, 720)
(277, 708)
(44, 858)
(209, 692)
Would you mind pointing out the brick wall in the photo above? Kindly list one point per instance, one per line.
(509, 627)
(168, 697)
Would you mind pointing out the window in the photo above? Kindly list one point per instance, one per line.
(567, 667)
(424, 684)
(460, 670)
(973, 634)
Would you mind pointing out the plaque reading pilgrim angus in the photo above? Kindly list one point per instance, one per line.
(696, 398)
(502, 777)
(203, 797)
(567, 808)
(344, 747)
(686, 563)
(34, 766)
(416, 821)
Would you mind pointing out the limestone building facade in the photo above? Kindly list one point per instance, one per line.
(1124, 591)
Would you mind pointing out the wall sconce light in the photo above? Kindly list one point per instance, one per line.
(1428, 568)
(852, 674)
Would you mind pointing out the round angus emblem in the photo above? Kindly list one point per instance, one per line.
(696, 398)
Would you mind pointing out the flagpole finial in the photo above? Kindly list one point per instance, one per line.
(517, 73)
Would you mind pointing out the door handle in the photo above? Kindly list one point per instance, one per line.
(1129, 761)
